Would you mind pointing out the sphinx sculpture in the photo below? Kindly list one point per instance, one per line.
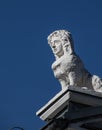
(68, 68)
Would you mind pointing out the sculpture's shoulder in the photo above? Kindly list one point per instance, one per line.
(66, 60)
(72, 58)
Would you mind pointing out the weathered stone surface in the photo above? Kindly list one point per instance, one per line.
(62, 100)
(82, 110)
(68, 67)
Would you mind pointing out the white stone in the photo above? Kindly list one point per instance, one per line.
(63, 98)
(68, 67)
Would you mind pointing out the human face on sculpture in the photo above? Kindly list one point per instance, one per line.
(56, 46)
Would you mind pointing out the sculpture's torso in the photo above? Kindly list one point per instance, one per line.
(70, 70)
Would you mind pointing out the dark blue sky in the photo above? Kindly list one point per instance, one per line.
(26, 78)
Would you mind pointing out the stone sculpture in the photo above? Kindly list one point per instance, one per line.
(68, 67)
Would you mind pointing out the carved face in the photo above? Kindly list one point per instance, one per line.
(56, 46)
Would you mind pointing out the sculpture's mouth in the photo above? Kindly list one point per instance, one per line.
(55, 50)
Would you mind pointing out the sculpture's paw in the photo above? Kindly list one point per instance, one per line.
(85, 88)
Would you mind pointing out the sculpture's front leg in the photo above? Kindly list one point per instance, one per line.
(73, 79)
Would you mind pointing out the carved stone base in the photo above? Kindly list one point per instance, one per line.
(73, 109)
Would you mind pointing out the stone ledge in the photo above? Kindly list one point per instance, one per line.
(62, 99)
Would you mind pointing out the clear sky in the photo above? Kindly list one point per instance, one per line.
(26, 78)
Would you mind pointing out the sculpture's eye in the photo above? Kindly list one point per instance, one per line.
(65, 40)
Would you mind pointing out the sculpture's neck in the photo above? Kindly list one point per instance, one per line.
(69, 50)
(59, 55)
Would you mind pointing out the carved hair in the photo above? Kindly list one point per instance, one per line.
(64, 36)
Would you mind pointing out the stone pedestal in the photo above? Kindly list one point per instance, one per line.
(73, 109)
